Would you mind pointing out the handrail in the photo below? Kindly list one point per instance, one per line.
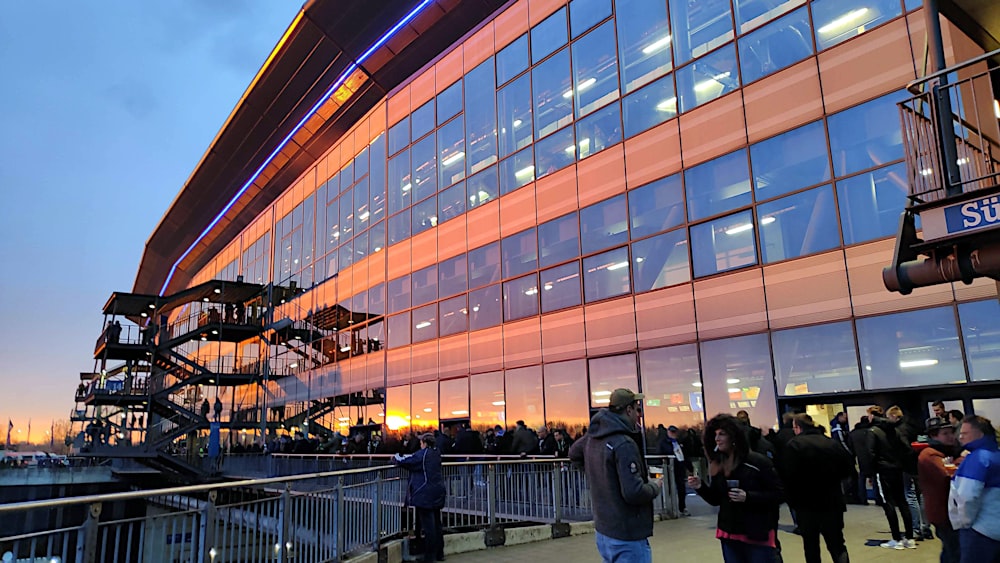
(985, 56)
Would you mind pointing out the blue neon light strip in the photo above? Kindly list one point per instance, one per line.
(337, 84)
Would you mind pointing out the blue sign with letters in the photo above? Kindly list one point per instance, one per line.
(973, 215)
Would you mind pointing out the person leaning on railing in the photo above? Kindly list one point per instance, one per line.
(426, 493)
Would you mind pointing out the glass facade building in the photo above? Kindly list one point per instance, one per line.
(694, 199)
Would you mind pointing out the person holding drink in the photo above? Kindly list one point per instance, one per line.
(935, 467)
(747, 490)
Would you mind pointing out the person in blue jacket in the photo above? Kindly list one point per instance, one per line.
(426, 493)
(974, 501)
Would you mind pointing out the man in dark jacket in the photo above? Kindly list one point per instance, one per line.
(859, 441)
(814, 466)
(523, 441)
(546, 441)
(426, 493)
(880, 457)
(620, 488)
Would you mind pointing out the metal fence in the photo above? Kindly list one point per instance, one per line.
(316, 517)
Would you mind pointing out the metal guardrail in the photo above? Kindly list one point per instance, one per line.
(316, 517)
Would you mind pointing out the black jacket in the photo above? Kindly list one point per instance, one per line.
(756, 517)
(813, 468)
(547, 445)
(880, 454)
(467, 442)
(620, 490)
(426, 487)
(523, 441)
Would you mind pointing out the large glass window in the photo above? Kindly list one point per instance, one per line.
(361, 212)
(480, 117)
(483, 187)
(738, 376)
(723, 244)
(559, 240)
(608, 374)
(595, 68)
(514, 115)
(424, 406)
(790, 161)
(708, 78)
(376, 299)
(454, 315)
(718, 185)
(516, 171)
(425, 215)
(816, 359)
(455, 398)
(604, 224)
(870, 204)
(699, 26)
(800, 224)
(400, 186)
(520, 253)
(399, 227)
(399, 138)
(520, 298)
(484, 307)
(425, 285)
(599, 130)
(566, 395)
(981, 332)
(660, 261)
(552, 91)
(377, 179)
(398, 330)
(776, 46)
(910, 349)
(397, 408)
(867, 135)
(643, 41)
(650, 106)
(451, 202)
(840, 20)
(512, 59)
(422, 120)
(548, 35)
(425, 323)
(555, 152)
(524, 396)
(453, 276)
(671, 383)
(486, 401)
(584, 14)
(449, 102)
(399, 294)
(346, 216)
(656, 207)
(424, 154)
(484, 265)
(561, 287)
(606, 275)
(753, 13)
(451, 151)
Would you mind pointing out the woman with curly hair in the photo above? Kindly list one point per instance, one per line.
(746, 488)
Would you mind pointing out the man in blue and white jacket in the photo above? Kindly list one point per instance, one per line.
(974, 501)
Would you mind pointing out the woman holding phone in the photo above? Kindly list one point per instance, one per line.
(746, 488)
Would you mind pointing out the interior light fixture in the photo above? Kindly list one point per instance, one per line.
(734, 390)
(656, 45)
(739, 229)
(843, 20)
(517, 123)
(767, 220)
(711, 82)
(364, 216)
(581, 87)
(423, 324)
(406, 187)
(732, 381)
(293, 365)
(499, 403)
(670, 104)
(918, 363)
(601, 393)
(217, 290)
(996, 108)
(696, 384)
(526, 172)
(453, 158)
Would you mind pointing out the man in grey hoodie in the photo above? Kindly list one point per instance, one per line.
(620, 488)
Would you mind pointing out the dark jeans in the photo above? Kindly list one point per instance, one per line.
(738, 552)
(429, 520)
(949, 543)
(828, 524)
(680, 480)
(977, 548)
(889, 488)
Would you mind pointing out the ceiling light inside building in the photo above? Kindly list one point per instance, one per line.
(843, 21)
(656, 45)
(918, 363)
(739, 229)
(453, 159)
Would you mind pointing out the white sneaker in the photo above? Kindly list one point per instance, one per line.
(893, 544)
(909, 544)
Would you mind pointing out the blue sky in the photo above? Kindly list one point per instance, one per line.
(106, 109)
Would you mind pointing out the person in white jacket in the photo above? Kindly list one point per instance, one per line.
(974, 500)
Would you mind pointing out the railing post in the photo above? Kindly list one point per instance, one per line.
(675, 511)
(86, 542)
(341, 518)
(284, 523)
(491, 495)
(206, 532)
(377, 512)
(557, 469)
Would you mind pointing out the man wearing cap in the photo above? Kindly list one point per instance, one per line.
(672, 446)
(620, 488)
(935, 466)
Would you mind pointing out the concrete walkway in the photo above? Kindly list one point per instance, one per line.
(693, 539)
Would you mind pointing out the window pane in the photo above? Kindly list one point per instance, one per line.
(746, 362)
(566, 395)
(800, 224)
(595, 66)
(752, 13)
(559, 240)
(484, 265)
(599, 130)
(516, 171)
(608, 374)
(840, 20)
(424, 285)
(671, 383)
(455, 398)
(483, 187)
(347, 176)
(604, 224)
(397, 409)
(553, 94)
(520, 298)
(514, 114)
(555, 152)
(451, 151)
(377, 237)
(399, 227)
(346, 215)
(723, 244)
(454, 315)
(453, 276)
(561, 287)
(870, 204)
(699, 26)
(451, 202)
(776, 46)
(422, 120)
(449, 102)
(425, 323)
(360, 246)
(376, 299)
(718, 185)
(400, 188)
(524, 396)
(910, 349)
(790, 161)
(361, 164)
(989, 408)
(660, 261)
(398, 330)
(708, 78)
(346, 254)
(486, 400)
(650, 106)
(361, 212)
(520, 253)
(549, 35)
(816, 359)
(981, 332)
(424, 155)
(656, 207)
(399, 294)
(480, 117)
(424, 215)
(512, 59)
(399, 136)
(643, 41)
(424, 406)
(584, 14)
(606, 275)
(484, 307)
(377, 179)
(867, 135)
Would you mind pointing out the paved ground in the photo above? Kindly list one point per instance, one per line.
(693, 539)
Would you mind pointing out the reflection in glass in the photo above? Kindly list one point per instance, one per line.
(718, 185)
(451, 202)
(671, 383)
(451, 152)
(599, 130)
(699, 26)
(424, 285)
(708, 78)
(560, 287)
(981, 332)
(376, 299)
(595, 68)
(486, 401)
(516, 171)
(449, 102)
(480, 117)
(377, 180)
(484, 307)
(400, 187)
(559, 240)
(776, 46)
(606, 275)
(737, 376)
(514, 115)
(425, 215)
(425, 323)
(870, 204)
(520, 253)
(484, 265)
(989, 408)
(796, 225)
(512, 59)
(660, 261)
(650, 106)
(555, 152)
(548, 35)
(399, 294)
(453, 276)
(483, 187)
(422, 120)
(361, 212)
(454, 315)
(604, 224)
(584, 14)
(397, 410)
(520, 298)
(723, 244)
(424, 154)
(867, 135)
(399, 227)
(790, 161)
(656, 207)
(455, 398)
(566, 396)
(552, 91)
(910, 349)
(643, 41)
(377, 237)
(608, 374)
(753, 13)
(424, 406)
(361, 164)
(399, 137)
(524, 396)
(840, 20)
(816, 359)
(398, 329)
